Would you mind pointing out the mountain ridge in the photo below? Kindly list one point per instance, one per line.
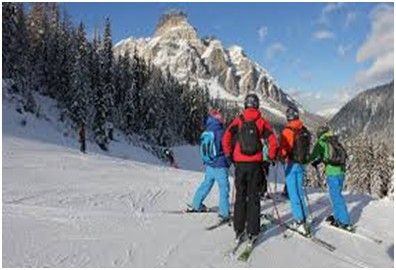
(370, 113)
(227, 73)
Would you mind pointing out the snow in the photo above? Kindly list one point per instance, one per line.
(328, 113)
(217, 91)
(66, 209)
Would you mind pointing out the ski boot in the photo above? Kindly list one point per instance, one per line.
(240, 237)
(301, 227)
(193, 210)
(347, 227)
(330, 219)
(251, 240)
(222, 219)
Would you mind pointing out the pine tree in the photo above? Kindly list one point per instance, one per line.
(9, 31)
(107, 71)
(67, 52)
(54, 51)
(38, 30)
(381, 174)
(80, 79)
(16, 64)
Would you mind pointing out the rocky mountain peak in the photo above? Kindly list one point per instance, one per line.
(227, 73)
(175, 24)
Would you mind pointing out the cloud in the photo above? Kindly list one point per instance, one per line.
(342, 50)
(275, 49)
(262, 32)
(327, 11)
(320, 103)
(323, 34)
(378, 48)
(351, 17)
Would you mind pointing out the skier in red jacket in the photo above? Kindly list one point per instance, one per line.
(242, 144)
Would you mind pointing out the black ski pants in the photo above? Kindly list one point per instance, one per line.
(248, 184)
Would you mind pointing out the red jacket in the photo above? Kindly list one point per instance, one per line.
(265, 131)
(287, 138)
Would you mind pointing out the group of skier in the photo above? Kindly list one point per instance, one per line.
(242, 144)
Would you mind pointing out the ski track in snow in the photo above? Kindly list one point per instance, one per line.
(65, 209)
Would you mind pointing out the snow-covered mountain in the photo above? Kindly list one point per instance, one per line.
(228, 73)
(369, 114)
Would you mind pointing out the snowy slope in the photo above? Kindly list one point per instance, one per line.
(65, 209)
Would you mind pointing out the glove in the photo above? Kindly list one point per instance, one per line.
(316, 163)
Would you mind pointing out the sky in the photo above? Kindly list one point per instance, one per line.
(320, 53)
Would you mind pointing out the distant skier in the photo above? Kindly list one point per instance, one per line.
(81, 135)
(249, 128)
(216, 166)
(329, 151)
(294, 150)
(168, 153)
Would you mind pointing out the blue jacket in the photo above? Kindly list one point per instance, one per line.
(214, 125)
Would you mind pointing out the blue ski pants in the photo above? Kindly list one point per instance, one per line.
(340, 210)
(220, 175)
(294, 173)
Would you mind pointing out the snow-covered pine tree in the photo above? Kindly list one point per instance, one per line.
(94, 68)
(122, 83)
(80, 79)
(38, 31)
(16, 62)
(54, 51)
(175, 107)
(99, 121)
(9, 30)
(107, 70)
(132, 110)
(67, 52)
(381, 171)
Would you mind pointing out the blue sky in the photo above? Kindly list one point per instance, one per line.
(320, 53)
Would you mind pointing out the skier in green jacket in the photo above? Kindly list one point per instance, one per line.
(329, 151)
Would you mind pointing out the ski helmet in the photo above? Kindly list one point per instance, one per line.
(322, 130)
(252, 101)
(292, 113)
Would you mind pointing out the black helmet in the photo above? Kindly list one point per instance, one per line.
(252, 101)
(292, 113)
(322, 130)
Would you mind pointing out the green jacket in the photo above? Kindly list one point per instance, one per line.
(321, 151)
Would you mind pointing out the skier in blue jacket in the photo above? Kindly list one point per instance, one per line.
(216, 169)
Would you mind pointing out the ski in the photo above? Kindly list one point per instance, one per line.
(189, 210)
(314, 239)
(186, 211)
(354, 233)
(245, 254)
(218, 224)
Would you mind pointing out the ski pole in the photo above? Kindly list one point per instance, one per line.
(233, 194)
(280, 221)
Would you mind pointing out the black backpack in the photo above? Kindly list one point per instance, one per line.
(301, 148)
(337, 153)
(249, 138)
